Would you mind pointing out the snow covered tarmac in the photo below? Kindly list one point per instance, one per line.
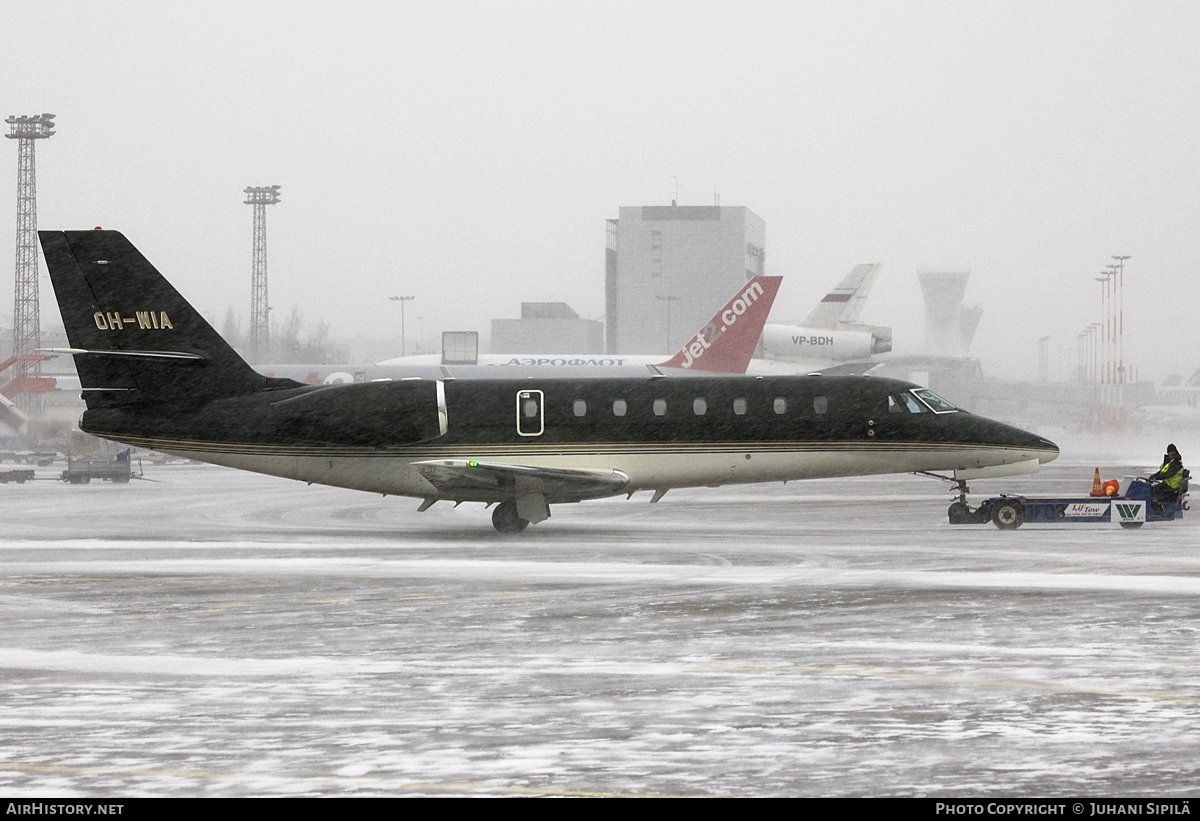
(220, 633)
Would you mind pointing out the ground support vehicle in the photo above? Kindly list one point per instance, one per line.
(18, 476)
(82, 471)
(1131, 509)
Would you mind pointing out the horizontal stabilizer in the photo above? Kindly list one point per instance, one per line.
(142, 354)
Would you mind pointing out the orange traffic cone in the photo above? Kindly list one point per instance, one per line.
(1097, 488)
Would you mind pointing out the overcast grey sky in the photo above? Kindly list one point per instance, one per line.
(468, 153)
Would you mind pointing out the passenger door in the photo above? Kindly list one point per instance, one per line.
(530, 418)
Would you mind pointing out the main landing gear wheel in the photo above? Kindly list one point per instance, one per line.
(959, 513)
(506, 520)
(1008, 516)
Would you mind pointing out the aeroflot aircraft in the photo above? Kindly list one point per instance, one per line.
(830, 335)
(724, 345)
(156, 375)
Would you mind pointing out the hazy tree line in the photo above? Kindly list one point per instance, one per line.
(290, 342)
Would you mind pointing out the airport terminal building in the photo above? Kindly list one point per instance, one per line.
(669, 267)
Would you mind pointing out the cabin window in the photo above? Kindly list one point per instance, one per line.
(739, 406)
(660, 407)
(579, 407)
(820, 404)
(780, 405)
(699, 406)
(619, 407)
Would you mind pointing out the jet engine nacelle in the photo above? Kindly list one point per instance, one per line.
(363, 414)
(836, 344)
(881, 338)
(378, 414)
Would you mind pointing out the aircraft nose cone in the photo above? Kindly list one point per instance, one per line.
(1047, 450)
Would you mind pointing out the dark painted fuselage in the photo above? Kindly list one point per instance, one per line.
(661, 432)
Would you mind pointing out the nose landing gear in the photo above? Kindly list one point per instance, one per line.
(960, 512)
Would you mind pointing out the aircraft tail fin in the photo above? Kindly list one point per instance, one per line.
(135, 339)
(843, 304)
(726, 344)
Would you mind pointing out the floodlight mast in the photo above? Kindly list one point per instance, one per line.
(27, 336)
(260, 340)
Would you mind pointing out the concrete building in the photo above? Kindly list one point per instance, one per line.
(669, 267)
(547, 327)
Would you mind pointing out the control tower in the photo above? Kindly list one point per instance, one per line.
(949, 324)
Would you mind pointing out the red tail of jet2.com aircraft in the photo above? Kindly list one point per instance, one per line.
(156, 375)
(723, 345)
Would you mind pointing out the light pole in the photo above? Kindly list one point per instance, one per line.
(1121, 311)
(1105, 311)
(1080, 357)
(1112, 312)
(668, 300)
(402, 300)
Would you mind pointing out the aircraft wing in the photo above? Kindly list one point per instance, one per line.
(844, 303)
(469, 480)
(784, 367)
(848, 369)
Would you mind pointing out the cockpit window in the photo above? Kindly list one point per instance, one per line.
(905, 403)
(936, 403)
